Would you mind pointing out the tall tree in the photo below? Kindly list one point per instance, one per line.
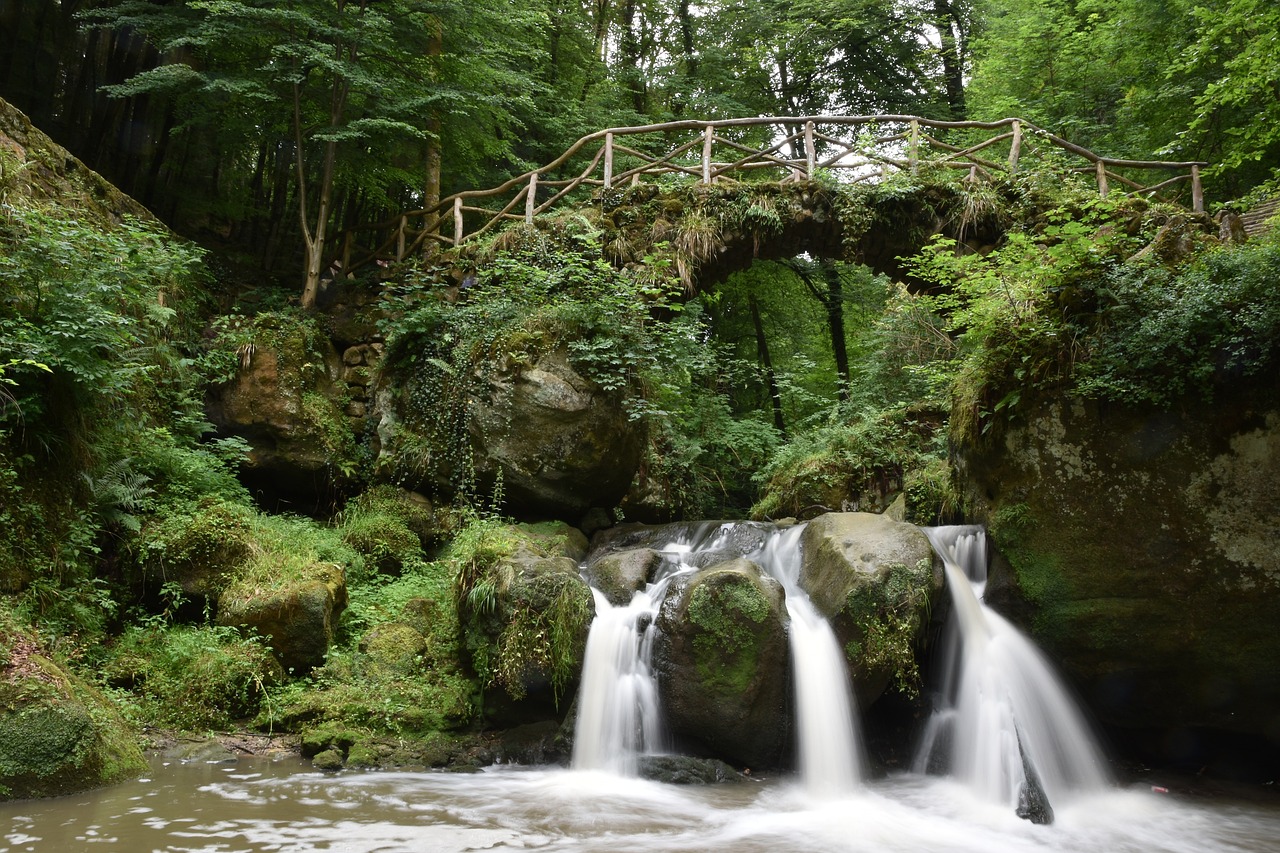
(342, 84)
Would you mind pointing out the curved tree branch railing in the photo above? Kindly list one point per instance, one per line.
(797, 149)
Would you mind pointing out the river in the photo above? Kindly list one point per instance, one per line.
(281, 804)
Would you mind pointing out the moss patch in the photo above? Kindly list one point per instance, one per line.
(57, 734)
(724, 606)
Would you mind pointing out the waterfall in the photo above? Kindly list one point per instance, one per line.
(828, 738)
(1005, 725)
(619, 718)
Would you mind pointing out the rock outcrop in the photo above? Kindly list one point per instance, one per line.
(57, 734)
(297, 616)
(1142, 549)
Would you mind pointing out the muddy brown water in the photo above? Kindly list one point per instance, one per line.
(281, 804)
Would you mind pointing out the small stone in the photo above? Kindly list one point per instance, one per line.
(329, 760)
(353, 356)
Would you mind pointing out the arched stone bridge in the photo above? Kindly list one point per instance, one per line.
(752, 154)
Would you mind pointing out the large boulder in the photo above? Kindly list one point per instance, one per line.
(57, 734)
(723, 663)
(874, 578)
(298, 615)
(286, 399)
(554, 443)
(562, 444)
(1146, 546)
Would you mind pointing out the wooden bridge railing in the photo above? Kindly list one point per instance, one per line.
(862, 148)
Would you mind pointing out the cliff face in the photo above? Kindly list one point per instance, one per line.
(34, 166)
(1142, 549)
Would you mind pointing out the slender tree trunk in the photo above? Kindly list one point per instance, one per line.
(435, 160)
(766, 364)
(835, 324)
(951, 35)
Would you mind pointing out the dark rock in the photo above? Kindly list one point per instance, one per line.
(723, 663)
(686, 770)
(620, 574)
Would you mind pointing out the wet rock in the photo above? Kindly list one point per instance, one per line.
(1140, 548)
(723, 664)
(330, 760)
(875, 579)
(687, 770)
(620, 574)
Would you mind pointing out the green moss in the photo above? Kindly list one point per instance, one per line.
(192, 678)
(1039, 573)
(727, 649)
(200, 548)
(888, 609)
(58, 735)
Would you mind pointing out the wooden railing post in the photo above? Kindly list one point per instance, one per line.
(457, 221)
(913, 147)
(404, 224)
(608, 160)
(1015, 147)
(708, 136)
(810, 151)
(1102, 179)
(531, 200)
(1197, 190)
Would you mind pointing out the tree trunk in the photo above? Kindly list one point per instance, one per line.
(950, 25)
(766, 364)
(835, 324)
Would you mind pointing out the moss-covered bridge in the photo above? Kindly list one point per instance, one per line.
(758, 163)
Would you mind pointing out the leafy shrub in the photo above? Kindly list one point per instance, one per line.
(192, 678)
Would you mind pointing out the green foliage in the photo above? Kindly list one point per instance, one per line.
(856, 459)
(190, 677)
(85, 309)
(1165, 333)
(888, 611)
(388, 528)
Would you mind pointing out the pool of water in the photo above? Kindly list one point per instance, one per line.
(281, 804)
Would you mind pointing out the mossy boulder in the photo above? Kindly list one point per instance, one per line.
(559, 443)
(200, 550)
(526, 618)
(393, 648)
(874, 578)
(297, 615)
(723, 663)
(286, 398)
(620, 574)
(389, 527)
(1141, 548)
(57, 734)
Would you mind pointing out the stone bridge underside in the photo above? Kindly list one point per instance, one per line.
(710, 232)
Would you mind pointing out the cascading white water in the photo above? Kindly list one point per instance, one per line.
(1003, 713)
(618, 713)
(619, 718)
(827, 731)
